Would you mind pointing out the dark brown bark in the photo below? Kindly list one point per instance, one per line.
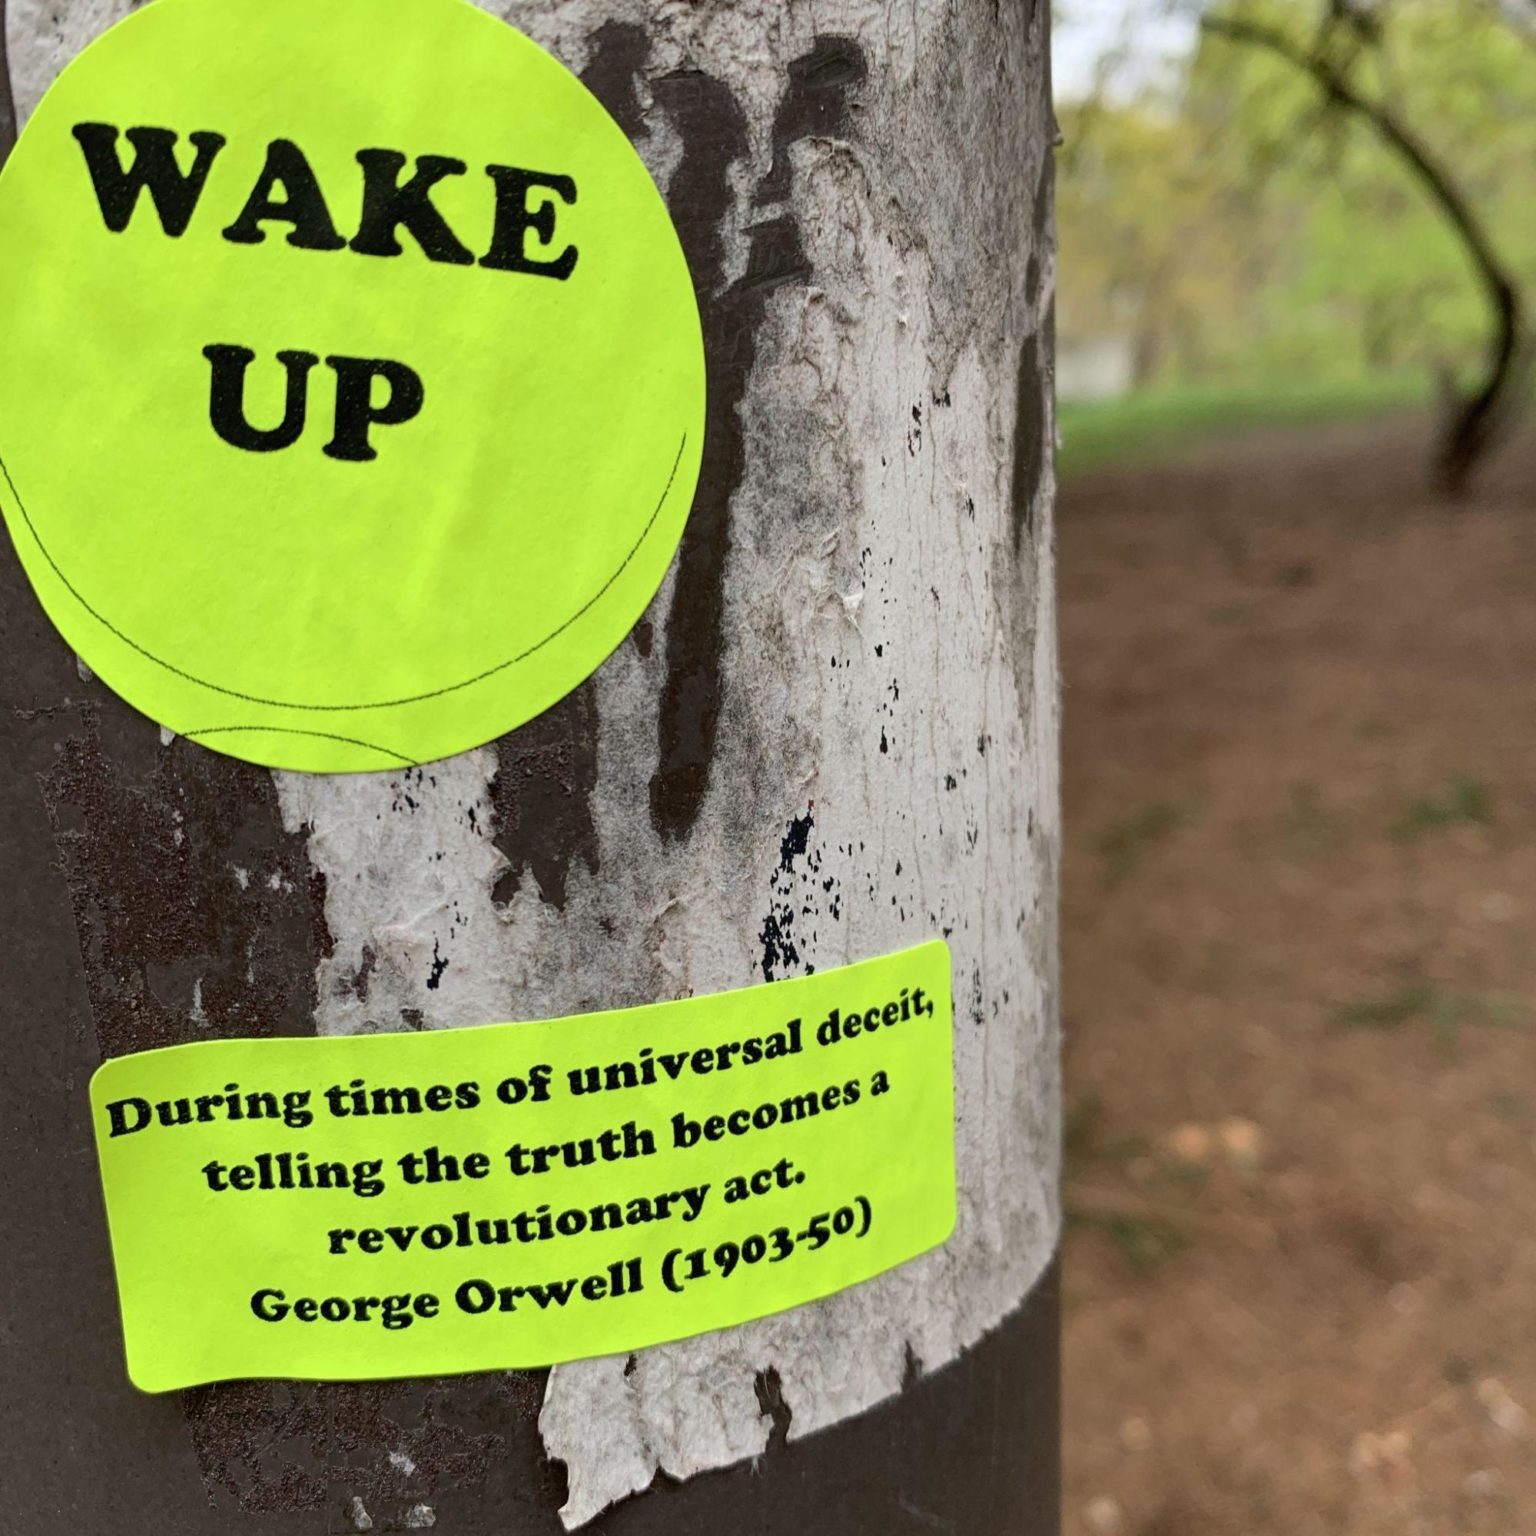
(7, 104)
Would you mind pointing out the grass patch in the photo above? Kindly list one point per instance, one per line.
(1509, 1108)
(1445, 1012)
(1496, 1012)
(1081, 1125)
(1465, 802)
(1144, 1243)
(1390, 1012)
(1124, 844)
(1161, 425)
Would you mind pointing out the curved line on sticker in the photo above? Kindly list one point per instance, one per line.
(417, 698)
(284, 730)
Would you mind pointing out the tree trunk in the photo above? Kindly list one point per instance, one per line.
(834, 735)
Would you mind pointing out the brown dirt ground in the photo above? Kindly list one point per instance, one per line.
(1300, 994)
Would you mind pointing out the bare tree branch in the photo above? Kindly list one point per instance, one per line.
(1470, 432)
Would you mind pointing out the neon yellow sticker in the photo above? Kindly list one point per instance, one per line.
(353, 400)
(523, 1194)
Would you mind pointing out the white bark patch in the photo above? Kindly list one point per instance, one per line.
(42, 36)
(889, 672)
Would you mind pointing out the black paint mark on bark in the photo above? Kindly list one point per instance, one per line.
(542, 797)
(270, 1447)
(198, 916)
(1045, 202)
(712, 128)
(1032, 424)
(795, 841)
(7, 101)
(714, 134)
(789, 889)
(779, 951)
(775, 258)
(547, 770)
(817, 104)
(439, 965)
(319, 930)
(1029, 429)
(912, 1368)
(193, 905)
(771, 1404)
(362, 976)
(619, 53)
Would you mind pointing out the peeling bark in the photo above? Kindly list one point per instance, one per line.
(833, 735)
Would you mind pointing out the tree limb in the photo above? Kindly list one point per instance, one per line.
(1470, 432)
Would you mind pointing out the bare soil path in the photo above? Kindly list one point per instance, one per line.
(1300, 994)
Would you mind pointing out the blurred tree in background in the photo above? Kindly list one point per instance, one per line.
(1322, 194)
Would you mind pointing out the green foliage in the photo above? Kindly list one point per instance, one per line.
(1444, 1011)
(1144, 1243)
(1240, 229)
(1155, 425)
(1465, 800)
(1080, 1126)
(1388, 1012)
(1124, 844)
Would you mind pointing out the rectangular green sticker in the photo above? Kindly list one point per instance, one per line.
(523, 1194)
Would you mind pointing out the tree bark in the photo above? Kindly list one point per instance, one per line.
(833, 735)
(7, 106)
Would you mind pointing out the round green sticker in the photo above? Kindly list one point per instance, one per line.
(354, 389)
